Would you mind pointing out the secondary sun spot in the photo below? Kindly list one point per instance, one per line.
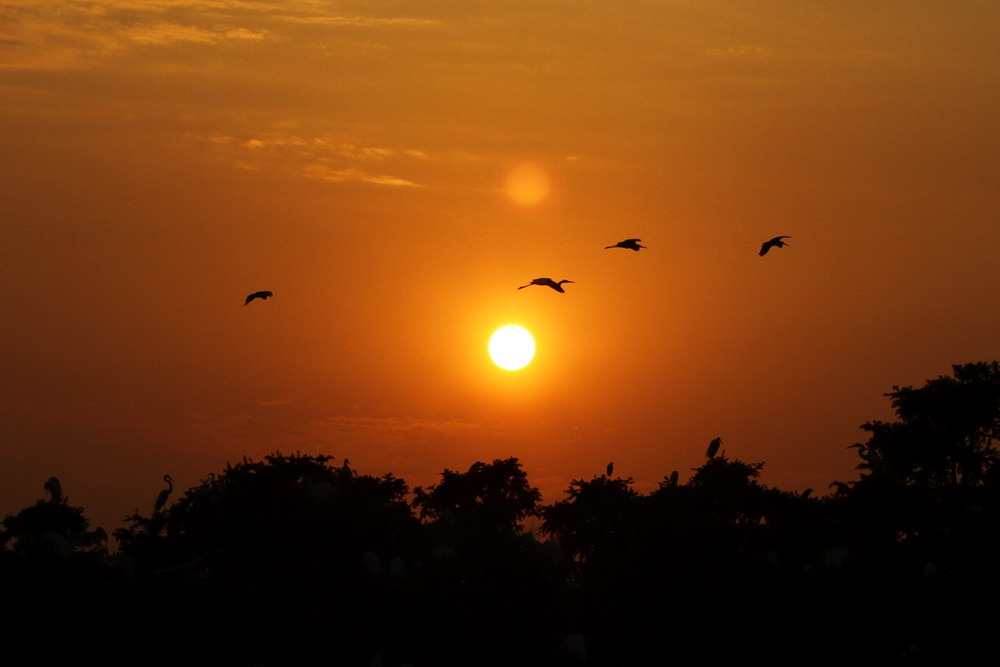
(527, 184)
(512, 347)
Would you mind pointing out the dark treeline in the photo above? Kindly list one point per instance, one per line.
(293, 560)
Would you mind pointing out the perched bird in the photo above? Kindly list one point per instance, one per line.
(611, 467)
(869, 454)
(629, 244)
(263, 294)
(713, 448)
(54, 488)
(674, 476)
(161, 497)
(776, 242)
(547, 282)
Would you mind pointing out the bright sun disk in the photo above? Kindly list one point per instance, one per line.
(512, 347)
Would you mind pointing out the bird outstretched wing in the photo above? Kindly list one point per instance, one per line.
(263, 294)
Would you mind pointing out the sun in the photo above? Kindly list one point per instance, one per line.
(512, 347)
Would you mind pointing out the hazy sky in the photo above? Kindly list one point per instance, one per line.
(392, 171)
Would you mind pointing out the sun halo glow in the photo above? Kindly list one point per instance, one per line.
(512, 347)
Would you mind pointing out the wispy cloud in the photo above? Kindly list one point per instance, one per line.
(394, 425)
(75, 34)
(169, 33)
(278, 402)
(361, 21)
(324, 157)
(322, 172)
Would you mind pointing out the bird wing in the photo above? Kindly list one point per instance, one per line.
(765, 247)
(631, 240)
(263, 294)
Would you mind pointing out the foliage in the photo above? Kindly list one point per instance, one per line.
(52, 530)
(335, 567)
(945, 430)
(594, 517)
(284, 506)
(489, 497)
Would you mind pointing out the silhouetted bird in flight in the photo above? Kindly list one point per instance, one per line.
(611, 467)
(263, 294)
(776, 242)
(54, 488)
(713, 448)
(630, 244)
(547, 282)
(161, 497)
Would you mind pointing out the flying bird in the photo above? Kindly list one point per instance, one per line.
(547, 282)
(630, 244)
(776, 242)
(713, 448)
(161, 497)
(263, 294)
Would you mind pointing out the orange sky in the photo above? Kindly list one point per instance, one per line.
(160, 159)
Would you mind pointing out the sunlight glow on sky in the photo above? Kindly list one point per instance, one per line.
(393, 171)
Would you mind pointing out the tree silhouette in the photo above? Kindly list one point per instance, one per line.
(335, 567)
(278, 543)
(489, 497)
(51, 531)
(493, 588)
(945, 430)
(285, 507)
(595, 517)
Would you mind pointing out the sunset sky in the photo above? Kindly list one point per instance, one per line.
(393, 171)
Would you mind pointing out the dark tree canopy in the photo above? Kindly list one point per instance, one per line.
(327, 566)
(282, 505)
(594, 514)
(945, 432)
(493, 495)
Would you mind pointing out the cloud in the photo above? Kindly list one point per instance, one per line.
(323, 172)
(394, 425)
(323, 157)
(275, 403)
(85, 34)
(361, 21)
(169, 33)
